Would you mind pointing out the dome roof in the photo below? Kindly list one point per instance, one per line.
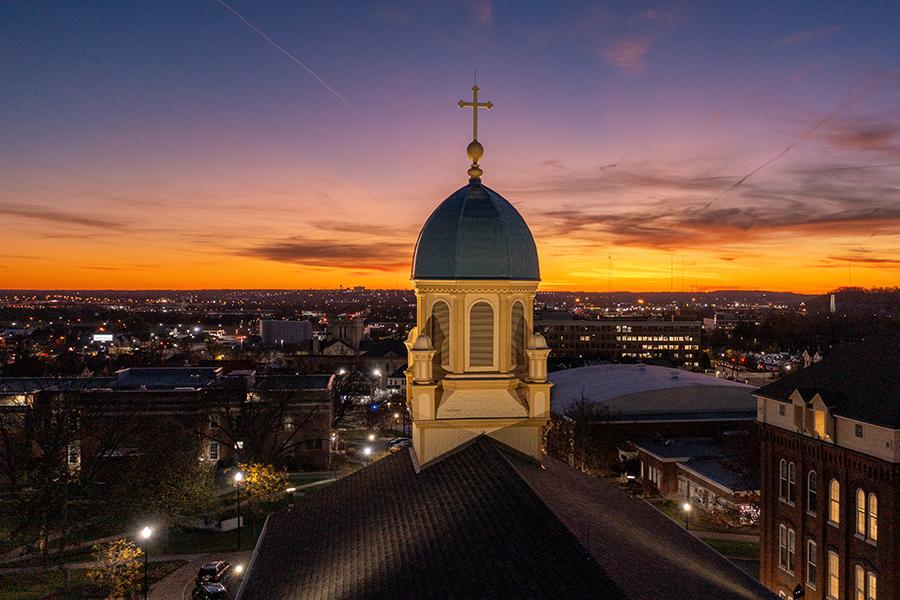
(475, 234)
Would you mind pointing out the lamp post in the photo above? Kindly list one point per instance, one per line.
(146, 533)
(367, 451)
(687, 508)
(238, 478)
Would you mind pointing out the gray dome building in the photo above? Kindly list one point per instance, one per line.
(475, 234)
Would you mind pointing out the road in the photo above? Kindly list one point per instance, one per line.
(179, 583)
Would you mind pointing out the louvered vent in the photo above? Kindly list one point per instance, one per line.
(481, 335)
(518, 335)
(439, 332)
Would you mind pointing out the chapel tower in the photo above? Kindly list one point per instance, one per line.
(475, 367)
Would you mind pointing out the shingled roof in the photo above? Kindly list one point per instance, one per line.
(481, 522)
(859, 381)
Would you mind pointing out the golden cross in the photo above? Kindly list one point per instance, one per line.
(475, 105)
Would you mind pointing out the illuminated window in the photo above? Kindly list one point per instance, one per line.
(834, 502)
(873, 517)
(811, 563)
(820, 423)
(833, 591)
(212, 451)
(865, 584)
(860, 512)
(812, 492)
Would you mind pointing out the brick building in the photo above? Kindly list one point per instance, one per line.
(831, 476)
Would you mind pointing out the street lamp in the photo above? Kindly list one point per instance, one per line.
(238, 478)
(687, 508)
(146, 533)
(238, 569)
(367, 452)
(371, 437)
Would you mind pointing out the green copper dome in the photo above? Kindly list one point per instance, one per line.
(475, 234)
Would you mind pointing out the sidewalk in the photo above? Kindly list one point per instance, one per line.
(93, 563)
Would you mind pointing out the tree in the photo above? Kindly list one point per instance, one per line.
(262, 483)
(119, 570)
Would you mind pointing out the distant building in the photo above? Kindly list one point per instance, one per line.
(284, 333)
(616, 339)
(831, 475)
(700, 471)
(348, 331)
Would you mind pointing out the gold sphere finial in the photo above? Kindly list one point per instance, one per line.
(475, 151)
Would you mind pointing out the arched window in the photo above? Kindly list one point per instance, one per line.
(873, 517)
(782, 479)
(517, 331)
(481, 335)
(439, 332)
(860, 512)
(792, 482)
(834, 501)
(812, 492)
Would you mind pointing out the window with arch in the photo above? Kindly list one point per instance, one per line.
(865, 584)
(833, 589)
(792, 483)
(873, 517)
(517, 331)
(782, 479)
(812, 492)
(439, 332)
(834, 502)
(860, 512)
(481, 335)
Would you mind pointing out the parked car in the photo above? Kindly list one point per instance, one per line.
(398, 444)
(213, 571)
(210, 591)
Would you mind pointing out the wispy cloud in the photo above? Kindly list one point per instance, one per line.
(801, 37)
(57, 217)
(375, 256)
(628, 54)
(870, 135)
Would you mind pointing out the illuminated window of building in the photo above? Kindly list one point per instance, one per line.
(812, 492)
(212, 451)
(811, 563)
(873, 517)
(820, 423)
(865, 584)
(834, 502)
(833, 590)
(860, 512)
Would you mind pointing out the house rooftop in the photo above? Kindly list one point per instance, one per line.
(859, 381)
(482, 522)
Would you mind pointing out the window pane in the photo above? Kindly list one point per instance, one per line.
(860, 512)
(481, 335)
(873, 517)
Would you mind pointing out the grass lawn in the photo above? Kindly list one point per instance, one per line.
(699, 520)
(195, 541)
(732, 549)
(50, 584)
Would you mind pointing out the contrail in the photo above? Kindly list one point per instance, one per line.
(272, 43)
(818, 124)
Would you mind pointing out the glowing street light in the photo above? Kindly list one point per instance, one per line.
(687, 508)
(238, 569)
(146, 534)
(238, 478)
(371, 437)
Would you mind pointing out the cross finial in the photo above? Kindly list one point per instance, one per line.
(475, 149)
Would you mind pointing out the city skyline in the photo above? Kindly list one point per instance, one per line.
(254, 145)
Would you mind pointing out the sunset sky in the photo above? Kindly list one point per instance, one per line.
(173, 144)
